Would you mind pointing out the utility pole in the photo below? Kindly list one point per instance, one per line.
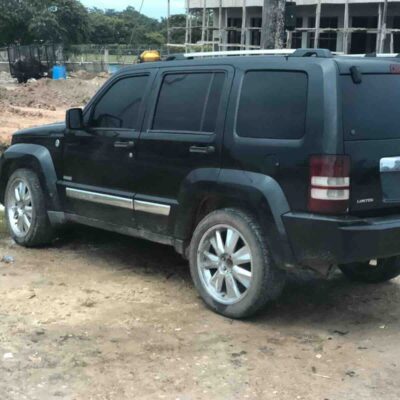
(317, 24)
(220, 34)
(346, 28)
(383, 30)
(243, 35)
(187, 24)
(168, 25)
(203, 25)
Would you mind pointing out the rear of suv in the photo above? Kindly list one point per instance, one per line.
(248, 166)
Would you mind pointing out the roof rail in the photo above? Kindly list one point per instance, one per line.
(377, 55)
(271, 52)
(321, 53)
(175, 57)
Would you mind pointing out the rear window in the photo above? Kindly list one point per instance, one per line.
(189, 102)
(273, 105)
(371, 108)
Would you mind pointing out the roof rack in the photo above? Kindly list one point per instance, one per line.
(322, 53)
(273, 52)
(378, 55)
(319, 53)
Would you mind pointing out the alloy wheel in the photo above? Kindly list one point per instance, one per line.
(19, 207)
(225, 264)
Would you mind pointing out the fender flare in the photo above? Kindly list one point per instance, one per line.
(265, 186)
(262, 193)
(32, 156)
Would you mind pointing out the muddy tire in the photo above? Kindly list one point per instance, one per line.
(384, 270)
(25, 210)
(231, 264)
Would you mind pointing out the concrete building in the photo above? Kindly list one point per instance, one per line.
(350, 26)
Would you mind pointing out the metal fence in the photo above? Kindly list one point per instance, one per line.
(113, 54)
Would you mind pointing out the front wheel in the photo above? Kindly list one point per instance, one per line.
(231, 264)
(374, 271)
(25, 209)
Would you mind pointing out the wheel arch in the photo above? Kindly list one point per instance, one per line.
(36, 158)
(255, 193)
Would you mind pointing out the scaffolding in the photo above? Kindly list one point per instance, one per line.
(213, 31)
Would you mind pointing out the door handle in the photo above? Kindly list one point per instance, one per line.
(202, 149)
(125, 145)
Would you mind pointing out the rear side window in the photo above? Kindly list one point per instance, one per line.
(371, 108)
(189, 102)
(120, 105)
(272, 105)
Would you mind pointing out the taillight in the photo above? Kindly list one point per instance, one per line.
(329, 184)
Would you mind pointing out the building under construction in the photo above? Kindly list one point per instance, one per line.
(349, 26)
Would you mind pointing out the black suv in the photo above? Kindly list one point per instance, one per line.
(248, 166)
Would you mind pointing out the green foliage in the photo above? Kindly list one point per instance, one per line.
(124, 27)
(27, 21)
(69, 22)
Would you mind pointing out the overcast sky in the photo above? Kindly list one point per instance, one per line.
(152, 8)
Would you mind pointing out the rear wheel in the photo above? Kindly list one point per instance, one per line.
(231, 265)
(25, 209)
(374, 271)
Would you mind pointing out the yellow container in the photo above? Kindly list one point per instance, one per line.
(150, 56)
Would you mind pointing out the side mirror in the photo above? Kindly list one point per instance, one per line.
(74, 119)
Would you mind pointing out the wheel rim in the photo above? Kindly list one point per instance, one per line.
(19, 207)
(225, 264)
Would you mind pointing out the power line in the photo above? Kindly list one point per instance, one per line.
(133, 29)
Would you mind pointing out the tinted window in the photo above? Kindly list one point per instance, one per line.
(189, 102)
(371, 108)
(119, 107)
(272, 105)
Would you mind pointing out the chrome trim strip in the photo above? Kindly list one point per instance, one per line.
(389, 164)
(100, 198)
(152, 208)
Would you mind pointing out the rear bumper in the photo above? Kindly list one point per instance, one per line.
(321, 240)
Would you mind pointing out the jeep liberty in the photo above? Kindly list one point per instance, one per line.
(248, 165)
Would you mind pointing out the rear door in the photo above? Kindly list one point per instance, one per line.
(371, 123)
(182, 134)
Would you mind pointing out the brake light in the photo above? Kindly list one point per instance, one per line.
(329, 184)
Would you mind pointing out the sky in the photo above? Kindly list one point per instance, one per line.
(152, 8)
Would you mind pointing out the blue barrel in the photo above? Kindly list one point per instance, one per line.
(113, 68)
(59, 72)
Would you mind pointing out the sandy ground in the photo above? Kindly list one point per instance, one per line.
(102, 316)
(41, 102)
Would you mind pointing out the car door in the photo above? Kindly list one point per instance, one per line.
(182, 134)
(99, 173)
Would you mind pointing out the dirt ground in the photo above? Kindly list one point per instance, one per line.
(41, 102)
(102, 316)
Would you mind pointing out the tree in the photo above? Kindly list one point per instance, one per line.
(27, 21)
(273, 24)
(123, 27)
(69, 22)
(13, 17)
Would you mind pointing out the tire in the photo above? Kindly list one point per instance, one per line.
(368, 272)
(225, 287)
(27, 219)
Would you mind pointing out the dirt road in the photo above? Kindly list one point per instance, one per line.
(101, 316)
